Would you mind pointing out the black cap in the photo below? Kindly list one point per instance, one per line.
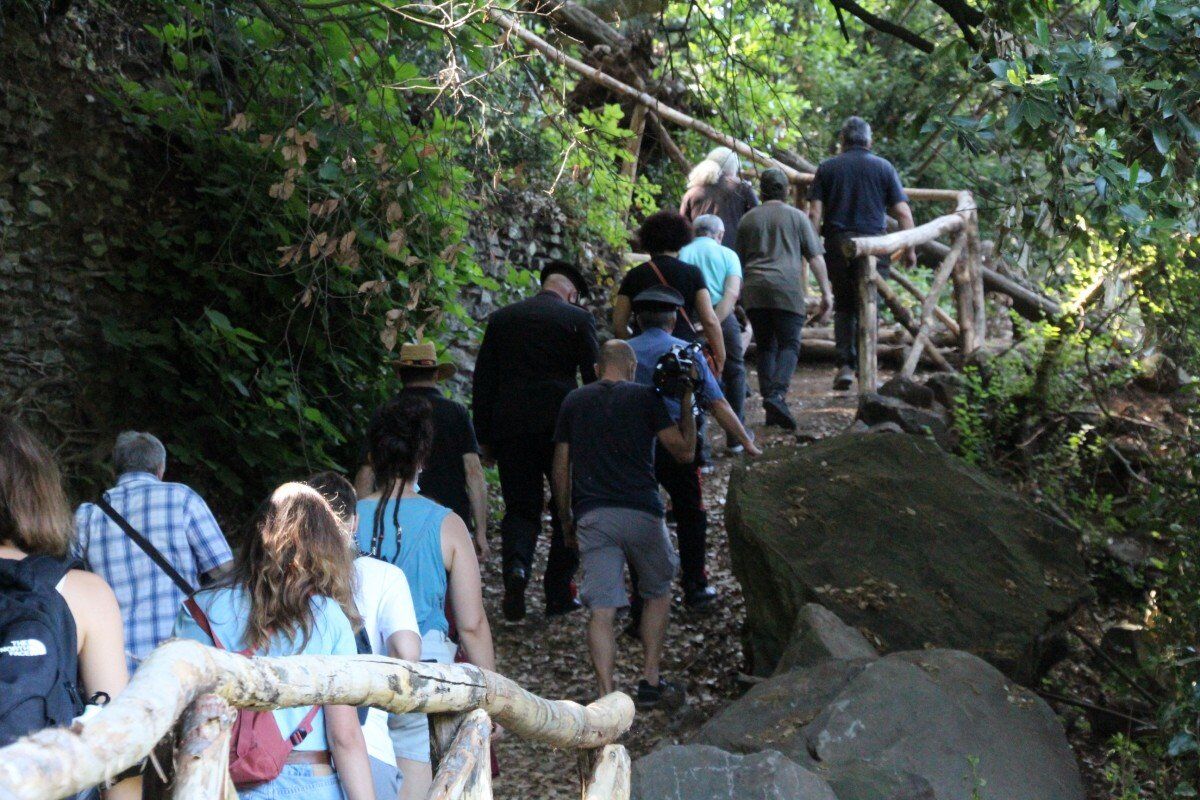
(665, 298)
(573, 274)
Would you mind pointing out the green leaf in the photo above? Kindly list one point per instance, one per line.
(39, 209)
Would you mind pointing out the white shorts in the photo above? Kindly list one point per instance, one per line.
(410, 732)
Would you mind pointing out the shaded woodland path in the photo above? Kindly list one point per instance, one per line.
(549, 657)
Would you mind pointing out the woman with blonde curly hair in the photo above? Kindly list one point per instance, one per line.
(715, 188)
(291, 593)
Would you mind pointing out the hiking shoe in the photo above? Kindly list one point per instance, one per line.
(558, 608)
(777, 414)
(844, 379)
(700, 599)
(513, 605)
(665, 694)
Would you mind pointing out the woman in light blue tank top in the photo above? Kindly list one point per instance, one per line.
(433, 547)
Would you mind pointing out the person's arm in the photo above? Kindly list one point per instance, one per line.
(903, 214)
(396, 617)
(349, 750)
(815, 208)
(589, 351)
(723, 413)
(477, 493)
(818, 267)
(209, 548)
(466, 593)
(560, 485)
(622, 310)
(485, 389)
(711, 326)
(680, 439)
(101, 642)
(729, 296)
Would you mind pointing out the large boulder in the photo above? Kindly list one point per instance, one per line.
(906, 543)
(699, 772)
(932, 723)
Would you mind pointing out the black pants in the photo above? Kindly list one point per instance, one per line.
(733, 378)
(843, 276)
(778, 335)
(525, 466)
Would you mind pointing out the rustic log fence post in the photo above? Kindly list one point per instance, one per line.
(202, 755)
(868, 324)
(605, 774)
(465, 772)
(950, 264)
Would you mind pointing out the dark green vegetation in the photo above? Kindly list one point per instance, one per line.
(252, 199)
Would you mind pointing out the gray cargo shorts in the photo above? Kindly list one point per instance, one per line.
(609, 537)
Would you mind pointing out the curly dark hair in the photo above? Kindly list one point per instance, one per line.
(665, 232)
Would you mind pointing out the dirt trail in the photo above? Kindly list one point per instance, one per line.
(549, 657)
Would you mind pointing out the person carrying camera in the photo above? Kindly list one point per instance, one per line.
(656, 309)
(607, 498)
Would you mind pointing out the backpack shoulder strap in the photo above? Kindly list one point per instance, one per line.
(304, 728)
(39, 573)
(682, 311)
(148, 548)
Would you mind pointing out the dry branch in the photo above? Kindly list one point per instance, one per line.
(202, 756)
(466, 771)
(905, 318)
(948, 265)
(607, 773)
(58, 762)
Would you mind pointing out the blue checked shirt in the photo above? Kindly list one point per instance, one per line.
(177, 521)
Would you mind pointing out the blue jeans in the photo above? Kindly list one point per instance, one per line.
(733, 378)
(296, 782)
(778, 335)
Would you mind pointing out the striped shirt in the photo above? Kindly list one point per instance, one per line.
(176, 521)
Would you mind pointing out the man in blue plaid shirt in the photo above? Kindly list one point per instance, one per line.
(176, 521)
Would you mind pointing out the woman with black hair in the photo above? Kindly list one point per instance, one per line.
(433, 547)
(663, 235)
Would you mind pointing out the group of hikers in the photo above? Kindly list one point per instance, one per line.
(390, 563)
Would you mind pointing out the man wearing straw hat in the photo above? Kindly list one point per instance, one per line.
(531, 355)
(452, 474)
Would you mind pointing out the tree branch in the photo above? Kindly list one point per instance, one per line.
(884, 26)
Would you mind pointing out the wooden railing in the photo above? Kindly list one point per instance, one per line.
(201, 686)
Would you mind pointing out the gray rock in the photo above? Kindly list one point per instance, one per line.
(818, 634)
(908, 390)
(697, 772)
(946, 387)
(864, 782)
(875, 409)
(906, 543)
(942, 717)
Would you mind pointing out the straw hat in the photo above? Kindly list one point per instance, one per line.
(424, 356)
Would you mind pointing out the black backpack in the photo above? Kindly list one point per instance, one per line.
(39, 663)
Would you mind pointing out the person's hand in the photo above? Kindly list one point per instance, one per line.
(825, 307)
(752, 450)
(910, 257)
(486, 457)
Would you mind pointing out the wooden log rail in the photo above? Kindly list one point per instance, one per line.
(184, 679)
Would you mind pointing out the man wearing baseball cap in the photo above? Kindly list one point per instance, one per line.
(533, 354)
(656, 309)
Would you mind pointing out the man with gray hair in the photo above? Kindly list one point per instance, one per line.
(173, 518)
(722, 271)
(851, 196)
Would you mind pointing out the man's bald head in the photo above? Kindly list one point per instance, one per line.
(562, 286)
(617, 361)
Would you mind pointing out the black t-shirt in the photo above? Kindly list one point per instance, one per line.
(856, 189)
(444, 478)
(611, 428)
(687, 279)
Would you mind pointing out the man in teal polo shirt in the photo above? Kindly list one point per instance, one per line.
(722, 270)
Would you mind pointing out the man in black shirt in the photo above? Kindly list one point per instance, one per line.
(849, 197)
(531, 354)
(452, 474)
(607, 496)
(663, 235)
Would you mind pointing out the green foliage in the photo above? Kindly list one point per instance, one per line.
(319, 217)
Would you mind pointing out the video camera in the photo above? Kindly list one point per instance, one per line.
(673, 374)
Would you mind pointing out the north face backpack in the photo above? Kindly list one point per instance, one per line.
(39, 664)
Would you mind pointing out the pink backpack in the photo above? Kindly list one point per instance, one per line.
(257, 749)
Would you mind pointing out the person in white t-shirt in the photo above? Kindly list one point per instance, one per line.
(382, 596)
